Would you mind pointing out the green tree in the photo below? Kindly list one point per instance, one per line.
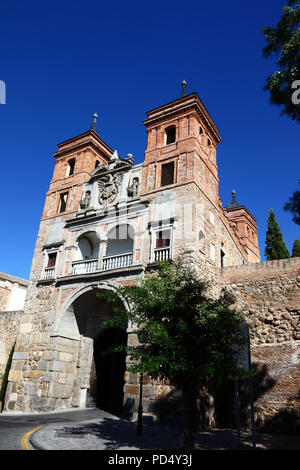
(296, 248)
(188, 337)
(293, 206)
(284, 43)
(275, 246)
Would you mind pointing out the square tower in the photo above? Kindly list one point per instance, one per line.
(181, 148)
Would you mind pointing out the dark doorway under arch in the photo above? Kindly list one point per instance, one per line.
(109, 371)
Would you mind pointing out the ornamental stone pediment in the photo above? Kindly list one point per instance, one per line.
(108, 178)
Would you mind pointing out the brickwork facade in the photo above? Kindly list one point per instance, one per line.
(269, 294)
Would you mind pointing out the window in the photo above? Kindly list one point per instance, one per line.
(222, 255)
(208, 142)
(162, 245)
(62, 202)
(97, 163)
(201, 240)
(200, 130)
(163, 238)
(50, 265)
(51, 260)
(167, 174)
(120, 248)
(71, 166)
(170, 135)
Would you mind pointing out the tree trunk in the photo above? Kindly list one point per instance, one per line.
(190, 415)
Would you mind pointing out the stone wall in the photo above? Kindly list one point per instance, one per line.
(12, 292)
(269, 294)
(9, 324)
(4, 297)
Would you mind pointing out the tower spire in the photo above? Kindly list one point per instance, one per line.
(93, 125)
(233, 204)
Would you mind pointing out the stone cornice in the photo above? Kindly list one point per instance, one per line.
(245, 212)
(180, 106)
(134, 207)
(99, 145)
(113, 273)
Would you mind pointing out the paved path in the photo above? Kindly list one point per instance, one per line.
(93, 429)
(112, 433)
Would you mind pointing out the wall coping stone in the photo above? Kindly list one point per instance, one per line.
(258, 271)
(8, 277)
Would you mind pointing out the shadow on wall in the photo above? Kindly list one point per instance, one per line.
(217, 410)
(225, 400)
(285, 420)
(168, 410)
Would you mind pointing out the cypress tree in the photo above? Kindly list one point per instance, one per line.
(296, 248)
(275, 246)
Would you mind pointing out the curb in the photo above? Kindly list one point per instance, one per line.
(27, 438)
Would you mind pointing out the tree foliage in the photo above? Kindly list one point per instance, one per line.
(293, 206)
(275, 245)
(284, 43)
(296, 248)
(188, 337)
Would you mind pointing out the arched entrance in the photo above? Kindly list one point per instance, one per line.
(109, 369)
(99, 375)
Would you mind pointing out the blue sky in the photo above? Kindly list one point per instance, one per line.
(62, 61)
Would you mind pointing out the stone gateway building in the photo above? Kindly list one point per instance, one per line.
(106, 221)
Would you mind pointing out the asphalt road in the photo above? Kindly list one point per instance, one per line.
(14, 427)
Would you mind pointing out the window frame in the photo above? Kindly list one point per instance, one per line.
(154, 233)
(167, 134)
(171, 162)
(223, 256)
(71, 168)
(50, 251)
(59, 211)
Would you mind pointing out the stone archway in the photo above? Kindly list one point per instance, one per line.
(99, 378)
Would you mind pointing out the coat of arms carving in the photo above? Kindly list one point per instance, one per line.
(109, 186)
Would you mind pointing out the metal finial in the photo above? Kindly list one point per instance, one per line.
(233, 204)
(183, 84)
(93, 125)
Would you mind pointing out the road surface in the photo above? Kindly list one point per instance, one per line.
(14, 428)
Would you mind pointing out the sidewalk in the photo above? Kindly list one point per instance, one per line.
(113, 433)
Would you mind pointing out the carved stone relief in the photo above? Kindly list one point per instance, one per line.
(133, 188)
(85, 200)
(109, 186)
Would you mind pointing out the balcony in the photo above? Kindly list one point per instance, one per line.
(118, 261)
(162, 254)
(49, 273)
(85, 266)
(109, 262)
